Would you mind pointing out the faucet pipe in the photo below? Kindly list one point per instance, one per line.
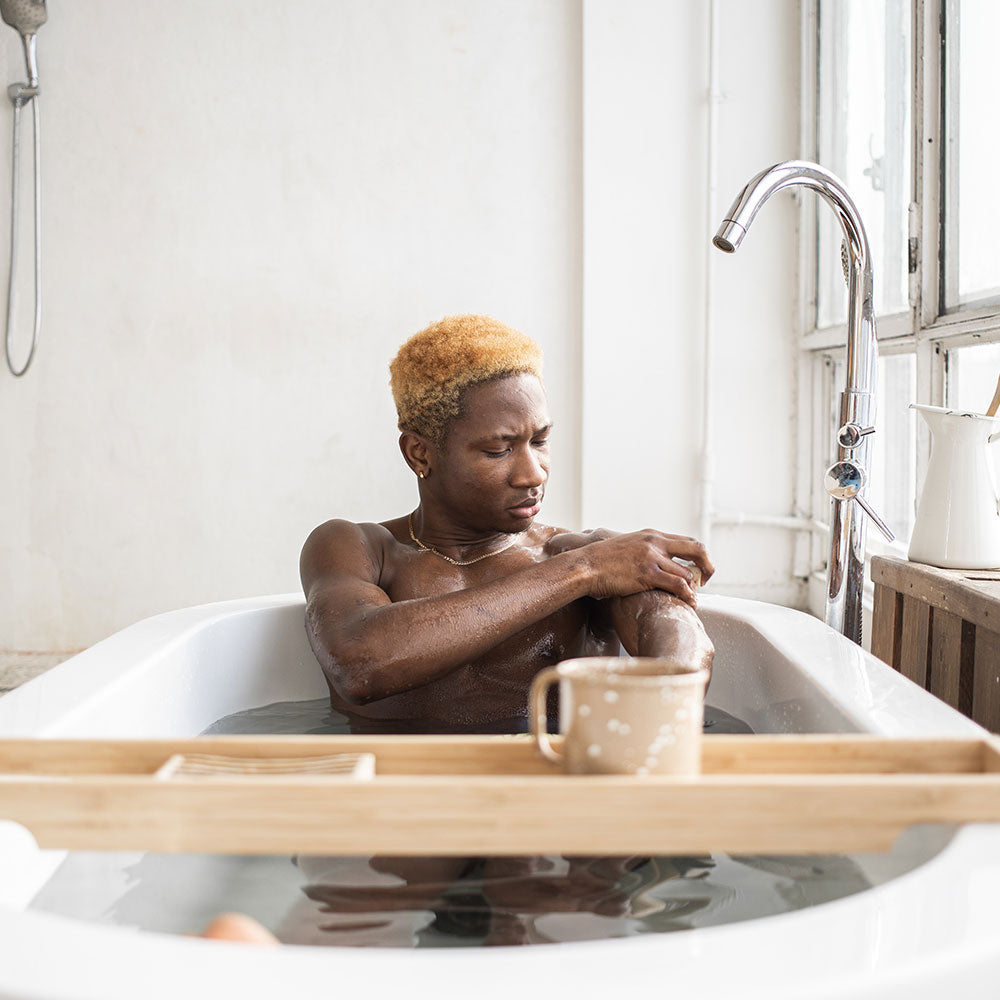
(845, 570)
(802, 173)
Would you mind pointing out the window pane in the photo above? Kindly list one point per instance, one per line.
(972, 376)
(972, 380)
(892, 489)
(972, 212)
(864, 138)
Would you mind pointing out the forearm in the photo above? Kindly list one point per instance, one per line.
(657, 624)
(392, 648)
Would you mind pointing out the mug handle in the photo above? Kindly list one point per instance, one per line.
(539, 716)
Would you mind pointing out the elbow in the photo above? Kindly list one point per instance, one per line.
(352, 676)
(354, 679)
(353, 685)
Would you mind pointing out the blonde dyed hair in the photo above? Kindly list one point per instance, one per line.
(432, 370)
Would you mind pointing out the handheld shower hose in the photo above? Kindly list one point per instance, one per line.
(26, 17)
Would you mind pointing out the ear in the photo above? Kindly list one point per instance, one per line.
(417, 452)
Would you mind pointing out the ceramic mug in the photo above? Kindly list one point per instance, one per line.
(622, 715)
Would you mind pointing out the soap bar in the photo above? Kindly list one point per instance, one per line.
(695, 582)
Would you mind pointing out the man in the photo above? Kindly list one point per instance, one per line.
(440, 619)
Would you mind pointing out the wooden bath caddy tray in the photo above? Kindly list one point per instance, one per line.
(480, 795)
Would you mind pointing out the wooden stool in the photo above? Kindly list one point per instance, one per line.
(941, 628)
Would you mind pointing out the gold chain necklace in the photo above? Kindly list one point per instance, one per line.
(455, 562)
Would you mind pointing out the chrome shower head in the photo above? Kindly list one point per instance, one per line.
(25, 16)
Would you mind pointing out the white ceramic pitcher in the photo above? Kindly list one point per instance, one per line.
(958, 517)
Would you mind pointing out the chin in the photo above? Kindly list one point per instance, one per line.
(521, 525)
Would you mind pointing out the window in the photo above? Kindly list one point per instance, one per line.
(900, 94)
(970, 273)
(864, 138)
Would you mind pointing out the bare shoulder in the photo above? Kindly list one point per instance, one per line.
(340, 547)
(564, 540)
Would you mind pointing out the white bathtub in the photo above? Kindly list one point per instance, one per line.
(928, 933)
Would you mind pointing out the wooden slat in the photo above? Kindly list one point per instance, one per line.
(814, 754)
(434, 815)
(916, 640)
(991, 755)
(394, 754)
(848, 753)
(986, 680)
(887, 623)
(759, 794)
(946, 656)
(973, 595)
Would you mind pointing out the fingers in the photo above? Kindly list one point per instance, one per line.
(685, 547)
(692, 550)
(676, 580)
(647, 560)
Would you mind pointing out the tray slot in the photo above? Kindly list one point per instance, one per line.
(203, 765)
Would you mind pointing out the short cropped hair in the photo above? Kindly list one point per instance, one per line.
(434, 367)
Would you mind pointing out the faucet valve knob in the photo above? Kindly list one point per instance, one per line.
(849, 436)
(845, 481)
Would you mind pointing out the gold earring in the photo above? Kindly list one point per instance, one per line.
(420, 474)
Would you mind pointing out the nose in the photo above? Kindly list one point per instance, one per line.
(530, 470)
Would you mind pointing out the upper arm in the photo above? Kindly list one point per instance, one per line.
(340, 567)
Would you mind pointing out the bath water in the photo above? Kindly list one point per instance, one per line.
(450, 902)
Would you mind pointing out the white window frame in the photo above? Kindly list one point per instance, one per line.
(924, 329)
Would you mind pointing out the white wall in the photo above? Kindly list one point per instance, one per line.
(245, 214)
(647, 229)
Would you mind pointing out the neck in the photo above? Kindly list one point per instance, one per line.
(459, 541)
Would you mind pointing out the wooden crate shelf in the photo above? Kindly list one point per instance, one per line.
(941, 628)
(461, 795)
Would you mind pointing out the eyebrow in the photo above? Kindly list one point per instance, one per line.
(515, 437)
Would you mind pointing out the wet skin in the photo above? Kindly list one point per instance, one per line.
(404, 636)
(401, 634)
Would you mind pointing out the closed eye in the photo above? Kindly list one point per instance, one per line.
(497, 454)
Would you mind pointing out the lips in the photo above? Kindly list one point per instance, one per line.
(528, 507)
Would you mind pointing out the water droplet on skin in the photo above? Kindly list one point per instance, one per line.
(613, 725)
(593, 750)
(610, 697)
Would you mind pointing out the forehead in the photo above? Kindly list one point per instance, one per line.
(512, 405)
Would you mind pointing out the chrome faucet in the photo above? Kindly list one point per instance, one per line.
(846, 479)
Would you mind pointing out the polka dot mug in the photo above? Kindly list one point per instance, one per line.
(622, 715)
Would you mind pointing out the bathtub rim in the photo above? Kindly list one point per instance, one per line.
(865, 690)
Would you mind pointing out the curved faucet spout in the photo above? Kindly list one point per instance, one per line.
(845, 571)
(803, 173)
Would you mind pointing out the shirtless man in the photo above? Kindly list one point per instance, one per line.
(439, 620)
(442, 618)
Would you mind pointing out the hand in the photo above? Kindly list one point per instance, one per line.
(645, 560)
